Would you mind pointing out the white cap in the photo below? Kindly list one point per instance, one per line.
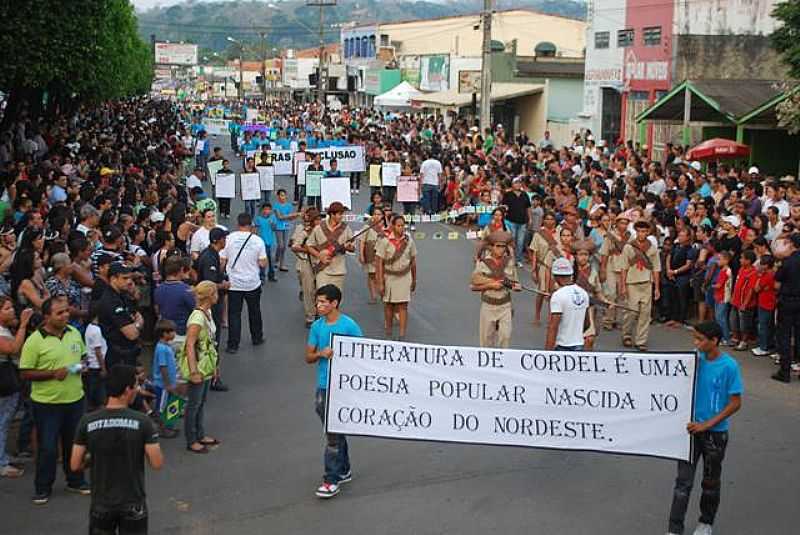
(562, 267)
(696, 166)
(156, 217)
(732, 220)
(753, 171)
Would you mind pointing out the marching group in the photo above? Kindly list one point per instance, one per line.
(111, 242)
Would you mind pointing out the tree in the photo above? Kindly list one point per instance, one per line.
(70, 52)
(786, 40)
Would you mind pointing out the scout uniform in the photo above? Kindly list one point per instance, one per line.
(588, 279)
(641, 264)
(496, 307)
(371, 239)
(325, 237)
(543, 243)
(305, 273)
(397, 257)
(612, 247)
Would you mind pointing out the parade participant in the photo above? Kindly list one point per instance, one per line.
(587, 278)
(224, 203)
(568, 305)
(639, 284)
(611, 265)
(543, 242)
(285, 213)
(396, 275)
(564, 249)
(118, 439)
(496, 224)
(718, 396)
(318, 351)
(305, 273)
(328, 243)
(366, 252)
(495, 276)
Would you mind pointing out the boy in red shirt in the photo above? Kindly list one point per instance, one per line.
(744, 301)
(767, 299)
(722, 296)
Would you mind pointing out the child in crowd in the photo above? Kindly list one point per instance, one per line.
(767, 298)
(723, 288)
(94, 378)
(267, 223)
(743, 301)
(165, 372)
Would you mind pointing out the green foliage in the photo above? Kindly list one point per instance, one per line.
(89, 50)
(786, 40)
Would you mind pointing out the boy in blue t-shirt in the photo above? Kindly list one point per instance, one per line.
(718, 396)
(165, 371)
(319, 350)
(267, 223)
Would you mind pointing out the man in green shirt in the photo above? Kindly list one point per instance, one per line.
(51, 360)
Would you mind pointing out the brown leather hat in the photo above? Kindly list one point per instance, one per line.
(500, 236)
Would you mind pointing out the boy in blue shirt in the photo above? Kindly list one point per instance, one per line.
(165, 372)
(318, 350)
(267, 223)
(718, 395)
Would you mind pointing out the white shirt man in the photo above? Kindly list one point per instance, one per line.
(431, 170)
(200, 241)
(568, 307)
(193, 181)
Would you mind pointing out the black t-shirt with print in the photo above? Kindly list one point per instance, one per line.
(116, 439)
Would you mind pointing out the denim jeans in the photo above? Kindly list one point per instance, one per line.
(26, 425)
(55, 421)
(742, 321)
(280, 248)
(430, 195)
(236, 301)
(711, 445)
(195, 409)
(95, 388)
(269, 270)
(518, 232)
(788, 328)
(721, 312)
(266, 195)
(766, 329)
(251, 207)
(337, 456)
(8, 406)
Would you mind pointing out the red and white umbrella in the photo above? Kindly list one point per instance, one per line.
(718, 148)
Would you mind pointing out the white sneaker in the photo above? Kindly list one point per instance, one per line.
(795, 366)
(702, 529)
(758, 352)
(346, 478)
(11, 472)
(327, 490)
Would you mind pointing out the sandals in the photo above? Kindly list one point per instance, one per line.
(627, 342)
(202, 450)
(208, 441)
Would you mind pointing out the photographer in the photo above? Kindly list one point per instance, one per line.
(120, 323)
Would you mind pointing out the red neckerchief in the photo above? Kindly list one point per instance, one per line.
(395, 241)
(639, 261)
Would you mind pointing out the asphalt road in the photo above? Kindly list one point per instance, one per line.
(263, 476)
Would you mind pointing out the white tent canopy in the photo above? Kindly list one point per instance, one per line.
(398, 97)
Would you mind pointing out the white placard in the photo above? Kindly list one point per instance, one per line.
(614, 402)
(335, 189)
(350, 158)
(302, 165)
(390, 171)
(213, 169)
(281, 161)
(251, 186)
(226, 186)
(266, 177)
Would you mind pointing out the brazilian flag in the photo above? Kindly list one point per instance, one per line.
(173, 410)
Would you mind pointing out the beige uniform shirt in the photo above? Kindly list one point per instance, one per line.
(483, 271)
(638, 273)
(317, 238)
(385, 250)
(298, 237)
(539, 246)
(615, 260)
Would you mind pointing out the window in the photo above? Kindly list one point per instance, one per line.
(384, 39)
(371, 51)
(652, 35)
(624, 38)
(364, 47)
(601, 39)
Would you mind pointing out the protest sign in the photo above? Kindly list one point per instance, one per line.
(390, 172)
(407, 189)
(614, 402)
(250, 186)
(266, 177)
(313, 186)
(335, 189)
(301, 167)
(226, 186)
(375, 176)
(216, 127)
(350, 158)
(213, 169)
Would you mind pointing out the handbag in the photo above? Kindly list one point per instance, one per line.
(10, 382)
(205, 352)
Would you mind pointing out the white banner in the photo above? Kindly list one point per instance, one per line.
(216, 127)
(626, 403)
(350, 158)
(266, 175)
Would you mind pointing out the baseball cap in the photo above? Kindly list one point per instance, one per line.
(217, 234)
(696, 165)
(753, 171)
(156, 217)
(732, 220)
(562, 267)
(118, 268)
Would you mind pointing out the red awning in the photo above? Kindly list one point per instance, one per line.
(717, 148)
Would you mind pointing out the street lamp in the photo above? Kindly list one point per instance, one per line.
(240, 91)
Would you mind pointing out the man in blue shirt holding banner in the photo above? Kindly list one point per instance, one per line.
(319, 351)
(718, 395)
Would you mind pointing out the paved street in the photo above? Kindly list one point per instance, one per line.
(262, 478)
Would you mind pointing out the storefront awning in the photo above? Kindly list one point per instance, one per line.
(454, 99)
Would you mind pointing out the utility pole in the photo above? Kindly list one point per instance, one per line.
(263, 36)
(322, 79)
(486, 66)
